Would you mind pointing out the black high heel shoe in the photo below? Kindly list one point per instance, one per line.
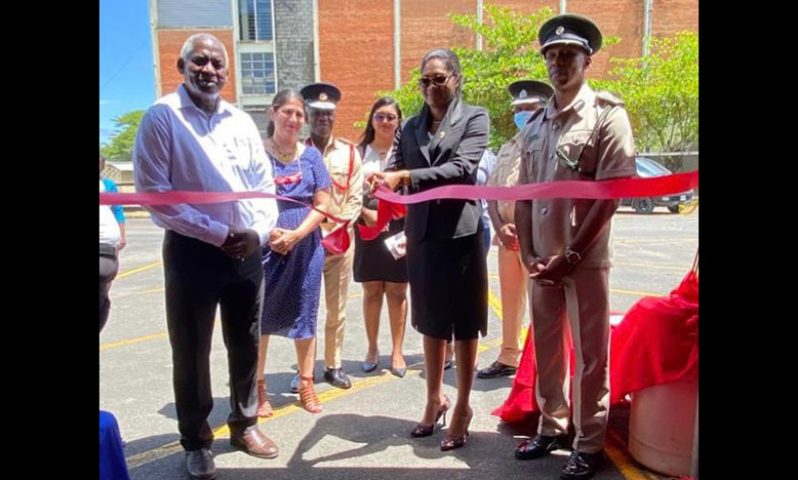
(452, 443)
(422, 430)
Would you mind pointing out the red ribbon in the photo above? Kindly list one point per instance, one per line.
(336, 242)
(604, 190)
(392, 204)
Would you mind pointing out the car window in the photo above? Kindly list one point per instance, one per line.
(651, 167)
(643, 171)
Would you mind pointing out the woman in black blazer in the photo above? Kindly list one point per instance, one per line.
(442, 145)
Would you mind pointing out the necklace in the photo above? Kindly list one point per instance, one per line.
(282, 156)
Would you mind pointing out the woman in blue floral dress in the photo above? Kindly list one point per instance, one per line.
(294, 258)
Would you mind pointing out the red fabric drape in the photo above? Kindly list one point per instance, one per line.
(655, 343)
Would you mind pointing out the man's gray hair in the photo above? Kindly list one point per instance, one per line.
(188, 45)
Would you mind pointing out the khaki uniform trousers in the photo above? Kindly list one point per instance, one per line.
(582, 298)
(337, 275)
(513, 281)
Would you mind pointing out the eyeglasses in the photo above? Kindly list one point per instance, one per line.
(437, 80)
(385, 117)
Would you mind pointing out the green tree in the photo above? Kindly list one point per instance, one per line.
(661, 93)
(120, 146)
(510, 52)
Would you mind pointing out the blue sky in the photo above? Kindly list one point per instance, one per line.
(127, 79)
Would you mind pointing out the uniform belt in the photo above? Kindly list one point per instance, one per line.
(107, 250)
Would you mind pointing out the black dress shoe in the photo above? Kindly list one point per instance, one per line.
(199, 464)
(539, 446)
(369, 366)
(580, 465)
(337, 378)
(496, 369)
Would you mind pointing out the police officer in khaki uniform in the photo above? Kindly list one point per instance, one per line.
(528, 96)
(565, 243)
(345, 166)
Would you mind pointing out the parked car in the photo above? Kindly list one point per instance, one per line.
(647, 167)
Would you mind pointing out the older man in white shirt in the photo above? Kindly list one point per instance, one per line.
(193, 140)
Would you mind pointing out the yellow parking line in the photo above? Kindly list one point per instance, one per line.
(636, 293)
(327, 396)
(495, 304)
(132, 341)
(138, 270)
(617, 453)
(657, 240)
(660, 266)
(154, 336)
(151, 290)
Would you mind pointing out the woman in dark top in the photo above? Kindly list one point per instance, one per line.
(374, 265)
(442, 145)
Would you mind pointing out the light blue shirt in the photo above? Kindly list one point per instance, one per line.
(180, 147)
(119, 212)
(484, 170)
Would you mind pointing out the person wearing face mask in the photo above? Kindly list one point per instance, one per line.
(527, 97)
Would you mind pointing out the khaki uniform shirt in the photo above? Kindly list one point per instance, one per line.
(505, 174)
(346, 195)
(609, 155)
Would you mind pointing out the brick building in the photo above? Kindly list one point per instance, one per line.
(365, 46)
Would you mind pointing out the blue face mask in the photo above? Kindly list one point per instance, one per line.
(521, 118)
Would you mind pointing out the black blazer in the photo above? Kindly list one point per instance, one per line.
(449, 157)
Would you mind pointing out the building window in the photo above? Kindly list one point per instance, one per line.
(255, 19)
(257, 73)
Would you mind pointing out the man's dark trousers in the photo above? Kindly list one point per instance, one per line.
(199, 276)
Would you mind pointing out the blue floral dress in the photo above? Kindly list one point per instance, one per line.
(292, 286)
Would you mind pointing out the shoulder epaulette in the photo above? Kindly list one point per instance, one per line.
(608, 98)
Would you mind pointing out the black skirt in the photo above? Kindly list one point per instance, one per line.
(374, 263)
(449, 287)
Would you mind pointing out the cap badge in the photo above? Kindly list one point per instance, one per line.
(323, 97)
(522, 94)
(560, 30)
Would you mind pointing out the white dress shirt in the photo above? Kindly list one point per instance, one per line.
(180, 147)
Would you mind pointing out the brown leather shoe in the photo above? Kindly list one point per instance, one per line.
(254, 442)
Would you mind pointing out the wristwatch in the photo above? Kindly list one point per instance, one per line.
(405, 179)
(572, 257)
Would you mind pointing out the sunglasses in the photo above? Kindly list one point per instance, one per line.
(566, 161)
(437, 80)
(385, 117)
